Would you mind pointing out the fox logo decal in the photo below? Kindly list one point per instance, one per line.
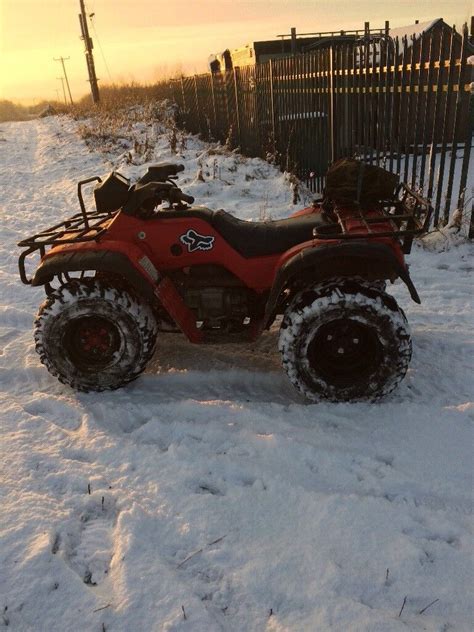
(194, 241)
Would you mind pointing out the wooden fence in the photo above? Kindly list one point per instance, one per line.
(406, 105)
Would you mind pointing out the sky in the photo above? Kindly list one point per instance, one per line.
(143, 40)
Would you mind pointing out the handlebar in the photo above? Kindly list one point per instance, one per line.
(160, 172)
(147, 196)
(181, 197)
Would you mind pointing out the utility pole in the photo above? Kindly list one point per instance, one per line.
(62, 60)
(89, 56)
(293, 41)
(61, 79)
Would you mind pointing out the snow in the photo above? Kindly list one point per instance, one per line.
(413, 29)
(207, 496)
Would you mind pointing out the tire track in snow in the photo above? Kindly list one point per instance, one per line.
(316, 501)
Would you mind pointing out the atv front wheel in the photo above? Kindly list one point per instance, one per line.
(94, 336)
(344, 341)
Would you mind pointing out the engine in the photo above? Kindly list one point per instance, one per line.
(219, 307)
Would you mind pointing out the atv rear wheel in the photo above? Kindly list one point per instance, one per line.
(344, 341)
(94, 336)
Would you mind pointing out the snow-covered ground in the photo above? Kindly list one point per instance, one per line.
(207, 496)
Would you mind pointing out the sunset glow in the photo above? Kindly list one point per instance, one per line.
(144, 40)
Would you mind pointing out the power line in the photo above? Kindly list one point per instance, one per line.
(91, 15)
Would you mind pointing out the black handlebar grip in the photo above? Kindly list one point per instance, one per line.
(186, 198)
(179, 168)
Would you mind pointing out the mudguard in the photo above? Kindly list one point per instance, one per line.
(102, 261)
(143, 277)
(352, 259)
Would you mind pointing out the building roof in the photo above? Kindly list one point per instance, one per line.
(414, 29)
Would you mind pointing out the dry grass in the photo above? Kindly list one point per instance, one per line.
(127, 120)
(10, 111)
(117, 97)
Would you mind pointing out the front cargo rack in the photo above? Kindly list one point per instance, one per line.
(69, 231)
(83, 226)
(405, 216)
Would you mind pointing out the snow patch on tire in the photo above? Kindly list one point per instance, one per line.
(133, 319)
(364, 304)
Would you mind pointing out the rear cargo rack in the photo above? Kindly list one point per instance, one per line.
(83, 226)
(405, 216)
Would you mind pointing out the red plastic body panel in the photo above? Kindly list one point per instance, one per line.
(178, 310)
(130, 250)
(159, 240)
(163, 235)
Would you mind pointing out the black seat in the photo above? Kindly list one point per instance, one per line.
(258, 239)
(255, 239)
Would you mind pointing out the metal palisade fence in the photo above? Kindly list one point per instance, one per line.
(404, 104)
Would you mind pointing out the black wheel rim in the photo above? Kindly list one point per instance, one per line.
(91, 342)
(344, 352)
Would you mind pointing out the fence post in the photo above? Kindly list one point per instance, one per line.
(237, 107)
(272, 101)
(331, 104)
(465, 164)
(214, 104)
(196, 98)
(444, 133)
(182, 92)
(225, 81)
(460, 96)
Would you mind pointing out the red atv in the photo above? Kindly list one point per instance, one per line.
(117, 276)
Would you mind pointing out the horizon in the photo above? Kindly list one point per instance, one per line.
(146, 41)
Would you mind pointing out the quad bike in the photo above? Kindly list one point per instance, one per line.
(117, 276)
